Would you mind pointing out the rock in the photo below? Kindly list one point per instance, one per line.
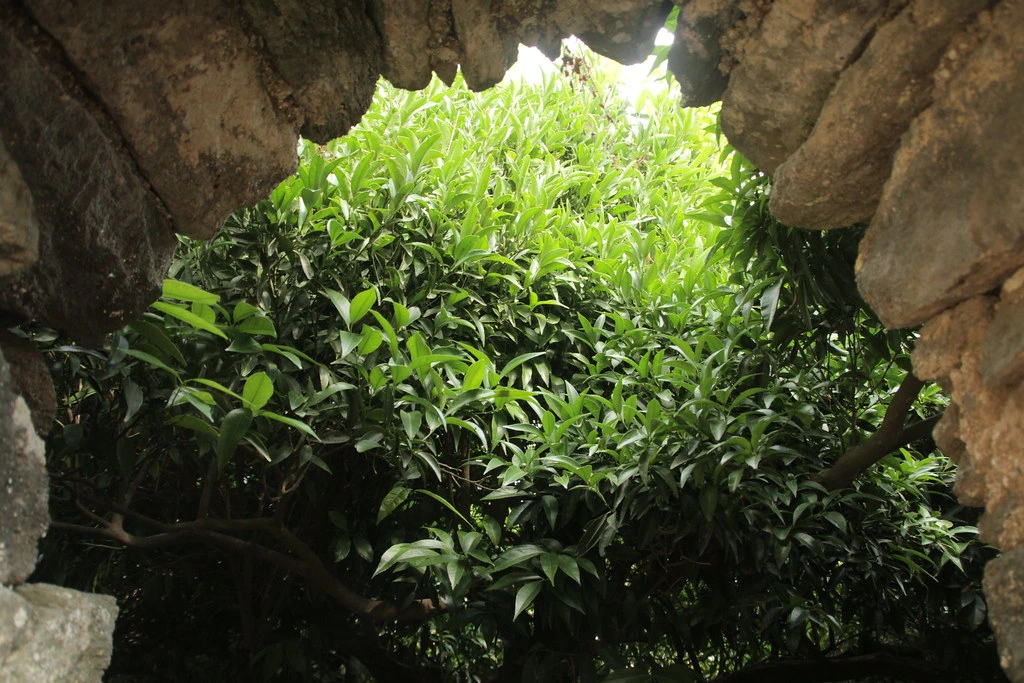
(104, 239)
(1004, 590)
(786, 71)
(487, 52)
(191, 96)
(948, 226)
(1002, 351)
(52, 634)
(405, 28)
(30, 377)
(623, 30)
(24, 494)
(836, 176)
(310, 44)
(987, 417)
(696, 56)
(19, 232)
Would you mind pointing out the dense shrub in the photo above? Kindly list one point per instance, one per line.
(500, 362)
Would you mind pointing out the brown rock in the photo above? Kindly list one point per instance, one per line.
(19, 232)
(190, 95)
(948, 226)
(1002, 352)
(835, 178)
(104, 239)
(695, 58)
(31, 379)
(311, 45)
(487, 53)
(405, 28)
(787, 70)
(23, 485)
(946, 337)
(1004, 588)
(50, 633)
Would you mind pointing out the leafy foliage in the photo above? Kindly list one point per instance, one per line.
(493, 351)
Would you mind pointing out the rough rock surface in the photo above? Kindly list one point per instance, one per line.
(835, 178)
(30, 377)
(23, 485)
(786, 70)
(947, 202)
(52, 634)
(1004, 576)
(178, 80)
(19, 236)
(104, 239)
(128, 122)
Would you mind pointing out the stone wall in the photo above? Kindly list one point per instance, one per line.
(906, 114)
(124, 123)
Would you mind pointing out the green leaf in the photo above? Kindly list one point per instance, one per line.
(257, 391)
(193, 423)
(392, 501)
(258, 325)
(517, 361)
(372, 339)
(151, 360)
(188, 317)
(475, 428)
(232, 428)
(446, 503)
(216, 385)
(341, 303)
(570, 567)
(492, 528)
(708, 499)
(349, 341)
(411, 421)
(182, 291)
(155, 335)
(361, 305)
(132, 399)
(291, 422)
(474, 376)
(525, 597)
(401, 314)
(549, 564)
(244, 310)
(770, 303)
(513, 557)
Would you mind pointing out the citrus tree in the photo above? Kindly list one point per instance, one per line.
(520, 385)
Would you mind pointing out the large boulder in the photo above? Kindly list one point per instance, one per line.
(50, 634)
(23, 485)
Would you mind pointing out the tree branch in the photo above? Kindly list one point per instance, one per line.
(221, 533)
(842, 668)
(891, 434)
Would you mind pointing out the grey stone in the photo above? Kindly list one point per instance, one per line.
(23, 485)
(836, 176)
(949, 224)
(104, 240)
(53, 634)
(19, 233)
